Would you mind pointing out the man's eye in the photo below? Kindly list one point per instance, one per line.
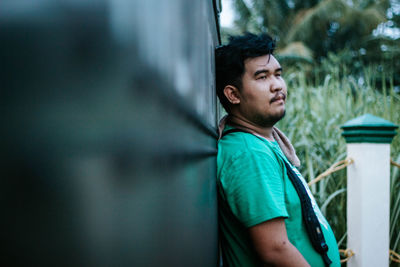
(279, 74)
(262, 78)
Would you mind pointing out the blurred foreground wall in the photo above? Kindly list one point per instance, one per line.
(108, 133)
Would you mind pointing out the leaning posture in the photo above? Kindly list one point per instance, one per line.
(268, 216)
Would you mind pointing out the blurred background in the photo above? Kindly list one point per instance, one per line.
(341, 59)
(357, 32)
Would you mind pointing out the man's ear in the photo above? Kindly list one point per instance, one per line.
(232, 94)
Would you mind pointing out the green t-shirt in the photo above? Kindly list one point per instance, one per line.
(253, 187)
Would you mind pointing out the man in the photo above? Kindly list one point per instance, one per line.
(261, 218)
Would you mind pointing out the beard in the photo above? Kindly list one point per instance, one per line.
(268, 121)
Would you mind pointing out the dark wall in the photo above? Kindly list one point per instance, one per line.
(108, 133)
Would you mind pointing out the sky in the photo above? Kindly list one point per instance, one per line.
(226, 15)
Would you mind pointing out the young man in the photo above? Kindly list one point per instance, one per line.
(261, 218)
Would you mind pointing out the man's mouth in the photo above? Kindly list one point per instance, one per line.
(278, 97)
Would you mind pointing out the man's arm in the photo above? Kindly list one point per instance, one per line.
(273, 246)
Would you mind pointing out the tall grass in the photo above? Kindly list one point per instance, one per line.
(313, 119)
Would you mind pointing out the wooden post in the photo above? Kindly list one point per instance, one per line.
(368, 141)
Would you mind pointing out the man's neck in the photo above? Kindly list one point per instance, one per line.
(240, 122)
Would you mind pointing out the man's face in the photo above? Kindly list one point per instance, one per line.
(263, 93)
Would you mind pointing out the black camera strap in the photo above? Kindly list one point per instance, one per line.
(310, 219)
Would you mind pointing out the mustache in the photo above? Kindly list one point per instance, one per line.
(278, 96)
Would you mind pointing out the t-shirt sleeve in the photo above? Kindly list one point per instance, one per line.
(254, 188)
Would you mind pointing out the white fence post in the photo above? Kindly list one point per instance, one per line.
(368, 141)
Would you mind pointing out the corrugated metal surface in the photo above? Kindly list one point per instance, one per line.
(108, 133)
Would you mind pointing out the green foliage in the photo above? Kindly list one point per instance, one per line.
(325, 26)
(337, 25)
(313, 119)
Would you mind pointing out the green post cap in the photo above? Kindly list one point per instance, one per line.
(369, 129)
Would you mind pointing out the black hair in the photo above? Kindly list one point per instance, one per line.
(229, 60)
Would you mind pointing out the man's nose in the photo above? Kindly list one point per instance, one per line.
(277, 84)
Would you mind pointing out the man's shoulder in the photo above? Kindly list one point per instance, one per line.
(242, 145)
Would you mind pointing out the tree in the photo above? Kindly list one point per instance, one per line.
(308, 30)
